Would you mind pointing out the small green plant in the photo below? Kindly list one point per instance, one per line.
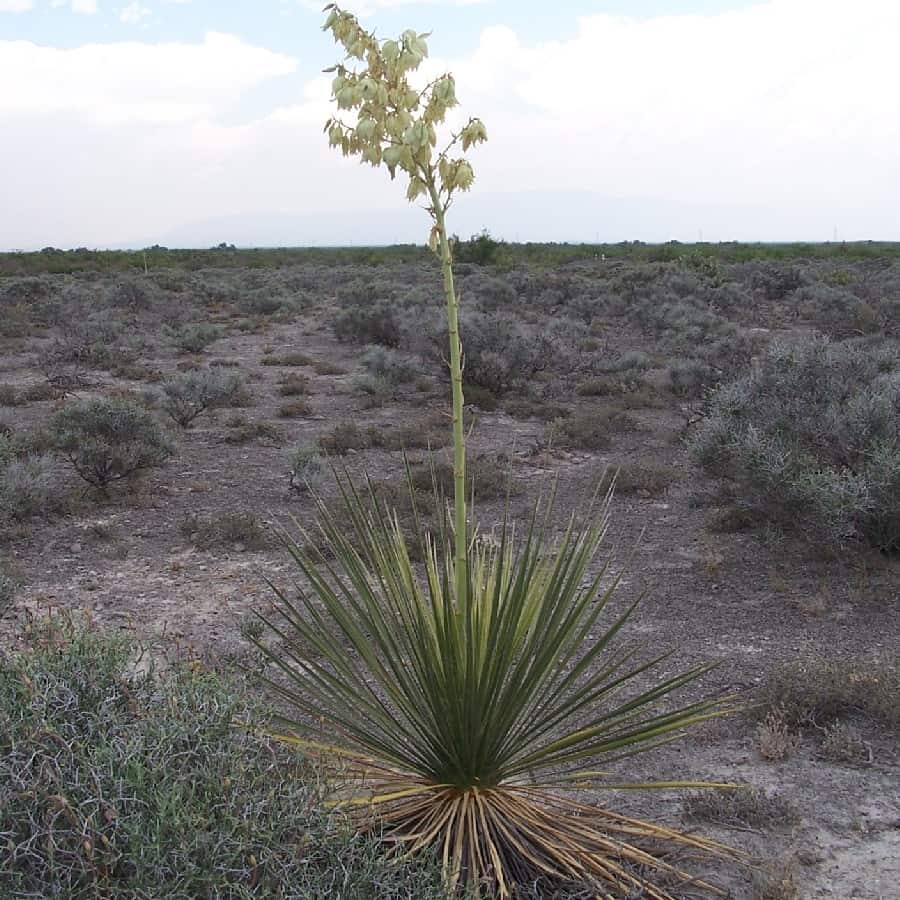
(106, 440)
(187, 396)
(307, 469)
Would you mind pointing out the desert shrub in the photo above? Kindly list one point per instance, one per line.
(490, 474)
(295, 409)
(501, 355)
(226, 529)
(129, 293)
(189, 395)
(651, 479)
(9, 395)
(106, 440)
(488, 292)
(124, 785)
(243, 432)
(391, 365)
(812, 438)
(836, 311)
(307, 468)
(774, 280)
(327, 367)
(15, 321)
(194, 338)
(290, 358)
(740, 807)
(8, 588)
(631, 360)
(589, 429)
(7, 444)
(689, 378)
(27, 487)
(39, 391)
(91, 341)
(347, 436)
(378, 324)
(813, 693)
(293, 385)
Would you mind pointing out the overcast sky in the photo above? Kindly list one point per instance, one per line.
(189, 122)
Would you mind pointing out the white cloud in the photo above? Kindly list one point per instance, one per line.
(83, 7)
(132, 81)
(16, 6)
(133, 14)
(779, 118)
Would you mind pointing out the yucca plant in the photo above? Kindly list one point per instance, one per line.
(460, 703)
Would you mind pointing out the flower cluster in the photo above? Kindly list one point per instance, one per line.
(397, 125)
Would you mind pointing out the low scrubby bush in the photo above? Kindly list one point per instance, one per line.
(307, 468)
(189, 395)
(589, 429)
(27, 486)
(121, 785)
(366, 316)
(391, 365)
(501, 355)
(106, 440)
(812, 438)
(226, 529)
(194, 338)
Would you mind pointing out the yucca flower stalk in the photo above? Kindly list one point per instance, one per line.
(461, 703)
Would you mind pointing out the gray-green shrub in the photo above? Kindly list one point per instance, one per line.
(189, 395)
(194, 338)
(812, 438)
(106, 440)
(27, 487)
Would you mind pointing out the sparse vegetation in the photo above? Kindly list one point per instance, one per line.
(740, 807)
(229, 529)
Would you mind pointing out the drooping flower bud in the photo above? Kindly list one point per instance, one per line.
(366, 129)
(335, 135)
(465, 176)
(444, 91)
(416, 187)
(473, 133)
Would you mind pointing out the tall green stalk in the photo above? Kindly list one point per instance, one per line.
(460, 529)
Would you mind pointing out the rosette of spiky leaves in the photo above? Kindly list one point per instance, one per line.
(460, 725)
